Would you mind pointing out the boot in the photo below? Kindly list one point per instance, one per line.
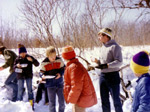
(32, 104)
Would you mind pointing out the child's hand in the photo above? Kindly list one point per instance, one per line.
(58, 76)
(1, 68)
(43, 77)
(18, 65)
(95, 60)
(41, 80)
(29, 59)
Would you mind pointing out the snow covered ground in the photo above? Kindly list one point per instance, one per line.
(24, 106)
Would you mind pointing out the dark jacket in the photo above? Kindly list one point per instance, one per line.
(26, 71)
(51, 69)
(10, 57)
(141, 99)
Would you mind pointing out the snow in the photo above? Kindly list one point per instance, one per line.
(19, 106)
(127, 105)
(23, 106)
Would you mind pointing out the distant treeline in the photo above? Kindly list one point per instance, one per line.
(78, 22)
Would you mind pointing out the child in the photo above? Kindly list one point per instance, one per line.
(140, 66)
(23, 67)
(53, 68)
(78, 87)
(110, 61)
(41, 88)
(11, 80)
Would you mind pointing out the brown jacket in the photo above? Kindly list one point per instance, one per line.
(10, 57)
(78, 87)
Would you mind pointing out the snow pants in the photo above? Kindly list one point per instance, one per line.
(76, 108)
(110, 83)
(21, 88)
(41, 88)
(52, 92)
(11, 81)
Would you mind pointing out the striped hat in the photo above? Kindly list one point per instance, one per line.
(106, 31)
(68, 53)
(140, 63)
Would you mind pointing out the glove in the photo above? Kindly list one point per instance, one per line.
(90, 68)
(102, 66)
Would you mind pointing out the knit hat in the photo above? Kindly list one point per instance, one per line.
(22, 48)
(140, 63)
(68, 53)
(106, 31)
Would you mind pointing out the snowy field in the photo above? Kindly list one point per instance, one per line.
(24, 106)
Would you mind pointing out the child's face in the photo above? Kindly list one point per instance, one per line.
(138, 75)
(52, 57)
(102, 38)
(23, 54)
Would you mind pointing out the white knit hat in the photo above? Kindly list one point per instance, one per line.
(106, 31)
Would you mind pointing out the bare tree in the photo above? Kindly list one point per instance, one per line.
(78, 21)
(39, 16)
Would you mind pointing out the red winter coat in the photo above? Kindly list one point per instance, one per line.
(78, 87)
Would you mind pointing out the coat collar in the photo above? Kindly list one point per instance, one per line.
(24, 57)
(144, 75)
(72, 61)
(47, 60)
(3, 52)
(110, 42)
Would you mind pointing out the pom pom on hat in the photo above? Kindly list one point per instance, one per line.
(22, 48)
(68, 53)
(20, 45)
(140, 63)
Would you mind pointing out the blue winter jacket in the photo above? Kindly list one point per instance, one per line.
(141, 99)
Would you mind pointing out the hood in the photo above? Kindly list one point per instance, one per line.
(109, 43)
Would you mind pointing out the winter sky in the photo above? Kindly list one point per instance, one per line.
(9, 12)
(9, 8)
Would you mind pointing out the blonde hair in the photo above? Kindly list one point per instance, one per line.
(50, 50)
